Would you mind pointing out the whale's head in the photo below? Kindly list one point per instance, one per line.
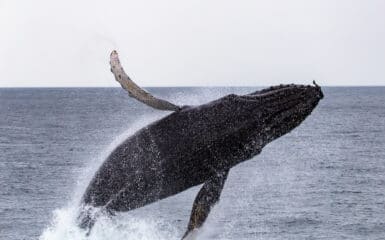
(249, 122)
(277, 110)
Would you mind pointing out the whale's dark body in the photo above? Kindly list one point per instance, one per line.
(195, 145)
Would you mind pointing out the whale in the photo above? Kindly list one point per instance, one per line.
(192, 145)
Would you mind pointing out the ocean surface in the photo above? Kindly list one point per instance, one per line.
(324, 180)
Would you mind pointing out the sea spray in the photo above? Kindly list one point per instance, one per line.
(95, 162)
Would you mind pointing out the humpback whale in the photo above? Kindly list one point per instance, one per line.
(192, 145)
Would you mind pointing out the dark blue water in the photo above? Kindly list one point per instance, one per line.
(324, 180)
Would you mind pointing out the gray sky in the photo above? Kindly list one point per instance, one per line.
(189, 43)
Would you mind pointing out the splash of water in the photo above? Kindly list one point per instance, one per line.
(64, 225)
(124, 226)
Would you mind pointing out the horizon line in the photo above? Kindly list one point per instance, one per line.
(175, 86)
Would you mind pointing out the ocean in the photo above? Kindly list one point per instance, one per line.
(324, 180)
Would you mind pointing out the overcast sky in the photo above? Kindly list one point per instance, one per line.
(190, 43)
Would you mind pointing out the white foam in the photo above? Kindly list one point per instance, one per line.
(124, 226)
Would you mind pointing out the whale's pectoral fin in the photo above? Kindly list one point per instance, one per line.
(205, 200)
(134, 90)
